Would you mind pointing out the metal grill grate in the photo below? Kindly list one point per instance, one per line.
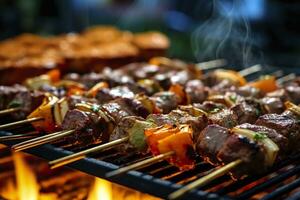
(161, 179)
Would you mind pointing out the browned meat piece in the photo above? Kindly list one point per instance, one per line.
(279, 139)
(273, 104)
(251, 153)
(210, 142)
(166, 101)
(247, 111)
(285, 125)
(90, 129)
(225, 117)
(218, 146)
(19, 96)
(196, 92)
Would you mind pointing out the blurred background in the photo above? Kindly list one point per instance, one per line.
(245, 32)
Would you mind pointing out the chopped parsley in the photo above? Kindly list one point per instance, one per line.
(215, 110)
(260, 136)
(257, 112)
(95, 108)
(232, 98)
(14, 104)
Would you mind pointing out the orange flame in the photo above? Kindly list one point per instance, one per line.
(27, 185)
(102, 189)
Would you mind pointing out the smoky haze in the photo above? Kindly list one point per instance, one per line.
(226, 34)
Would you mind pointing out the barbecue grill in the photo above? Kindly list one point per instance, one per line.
(161, 179)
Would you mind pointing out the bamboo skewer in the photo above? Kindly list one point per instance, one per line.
(204, 180)
(9, 110)
(39, 138)
(250, 70)
(21, 122)
(286, 78)
(212, 64)
(16, 137)
(51, 138)
(140, 164)
(82, 154)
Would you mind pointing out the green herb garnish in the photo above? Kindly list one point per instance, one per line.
(257, 112)
(232, 98)
(215, 110)
(14, 104)
(95, 108)
(260, 136)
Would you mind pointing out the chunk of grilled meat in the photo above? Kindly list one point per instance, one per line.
(219, 146)
(89, 129)
(286, 125)
(247, 111)
(165, 101)
(19, 96)
(195, 91)
(225, 117)
(279, 139)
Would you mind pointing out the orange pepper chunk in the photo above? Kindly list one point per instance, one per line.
(54, 75)
(45, 110)
(179, 91)
(153, 136)
(266, 84)
(182, 144)
(232, 76)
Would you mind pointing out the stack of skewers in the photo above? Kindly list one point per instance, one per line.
(166, 107)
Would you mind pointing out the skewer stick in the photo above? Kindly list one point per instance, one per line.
(21, 122)
(211, 64)
(141, 164)
(9, 110)
(16, 137)
(250, 70)
(82, 154)
(39, 138)
(20, 146)
(204, 180)
(286, 78)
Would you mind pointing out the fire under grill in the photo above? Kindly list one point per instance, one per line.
(161, 179)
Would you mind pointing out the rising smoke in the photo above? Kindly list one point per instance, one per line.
(226, 34)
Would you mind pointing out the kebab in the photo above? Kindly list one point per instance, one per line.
(270, 140)
(268, 146)
(244, 111)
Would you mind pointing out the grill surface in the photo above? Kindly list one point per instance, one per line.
(281, 182)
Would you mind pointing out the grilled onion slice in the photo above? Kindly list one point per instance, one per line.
(269, 146)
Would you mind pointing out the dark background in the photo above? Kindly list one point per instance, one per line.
(245, 32)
